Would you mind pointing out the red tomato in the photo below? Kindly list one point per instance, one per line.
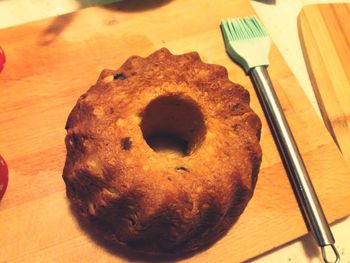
(3, 177)
(2, 59)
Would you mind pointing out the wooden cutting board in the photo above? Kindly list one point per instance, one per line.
(325, 40)
(51, 62)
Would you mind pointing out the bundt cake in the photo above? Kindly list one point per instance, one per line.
(160, 202)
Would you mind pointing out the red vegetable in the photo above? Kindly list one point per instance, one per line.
(3, 177)
(2, 59)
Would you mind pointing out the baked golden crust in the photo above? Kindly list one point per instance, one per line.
(162, 203)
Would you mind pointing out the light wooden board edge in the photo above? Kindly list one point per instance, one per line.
(327, 60)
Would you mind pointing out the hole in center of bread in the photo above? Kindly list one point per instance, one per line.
(173, 125)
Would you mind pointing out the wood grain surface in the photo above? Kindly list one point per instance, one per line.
(50, 63)
(325, 38)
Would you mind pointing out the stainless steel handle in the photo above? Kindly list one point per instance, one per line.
(310, 205)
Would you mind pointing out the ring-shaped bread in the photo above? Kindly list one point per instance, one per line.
(153, 202)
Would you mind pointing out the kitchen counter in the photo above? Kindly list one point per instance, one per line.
(280, 19)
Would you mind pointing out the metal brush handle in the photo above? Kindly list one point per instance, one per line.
(316, 220)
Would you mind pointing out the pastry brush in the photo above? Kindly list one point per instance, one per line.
(248, 44)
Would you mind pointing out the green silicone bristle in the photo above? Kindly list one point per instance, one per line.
(246, 41)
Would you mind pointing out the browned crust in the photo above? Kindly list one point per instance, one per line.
(137, 198)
